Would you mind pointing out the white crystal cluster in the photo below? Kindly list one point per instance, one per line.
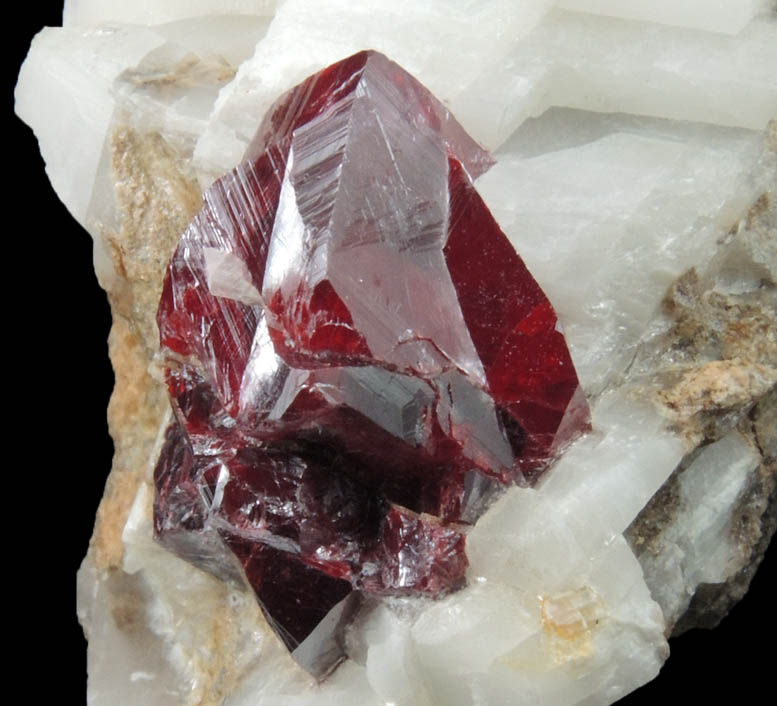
(632, 140)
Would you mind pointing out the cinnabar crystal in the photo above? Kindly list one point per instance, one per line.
(357, 358)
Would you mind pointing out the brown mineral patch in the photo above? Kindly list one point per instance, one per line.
(728, 312)
(156, 200)
(757, 211)
(753, 337)
(684, 292)
(711, 390)
(135, 414)
(190, 71)
(127, 613)
(764, 421)
(127, 602)
(771, 134)
(719, 384)
(711, 323)
(107, 548)
(646, 531)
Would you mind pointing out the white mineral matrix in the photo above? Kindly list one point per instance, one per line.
(635, 176)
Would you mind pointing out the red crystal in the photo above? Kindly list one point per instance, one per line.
(357, 358)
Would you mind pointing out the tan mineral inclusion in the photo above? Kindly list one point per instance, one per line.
(636, 174)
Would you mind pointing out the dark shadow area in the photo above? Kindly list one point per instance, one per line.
(61, 381)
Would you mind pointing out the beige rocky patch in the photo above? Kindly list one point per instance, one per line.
(719, 356)
(715, 371)
(220, 667)
(135, 413)
(713, 389)
(712, 324)
(155, 202)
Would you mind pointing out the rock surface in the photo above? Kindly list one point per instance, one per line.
(636, 175)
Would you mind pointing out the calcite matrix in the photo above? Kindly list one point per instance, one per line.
(357, 358)
(635, 171)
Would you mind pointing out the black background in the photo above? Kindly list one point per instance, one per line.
(60, 384)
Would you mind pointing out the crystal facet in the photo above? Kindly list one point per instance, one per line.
(357, 358)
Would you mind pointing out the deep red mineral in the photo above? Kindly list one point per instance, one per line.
(357, 358)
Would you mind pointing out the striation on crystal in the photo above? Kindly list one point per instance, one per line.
(357, 359)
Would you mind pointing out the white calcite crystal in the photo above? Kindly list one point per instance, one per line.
(636, 175)
(85, 13)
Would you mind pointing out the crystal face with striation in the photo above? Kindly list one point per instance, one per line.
(357, 359)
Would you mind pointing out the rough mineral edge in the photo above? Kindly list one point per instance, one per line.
(702, 536)
(547, 612)
(751, 526)
(565, 60)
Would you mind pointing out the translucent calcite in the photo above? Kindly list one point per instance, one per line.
(357, 358)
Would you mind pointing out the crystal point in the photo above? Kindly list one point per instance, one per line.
(357, 358)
